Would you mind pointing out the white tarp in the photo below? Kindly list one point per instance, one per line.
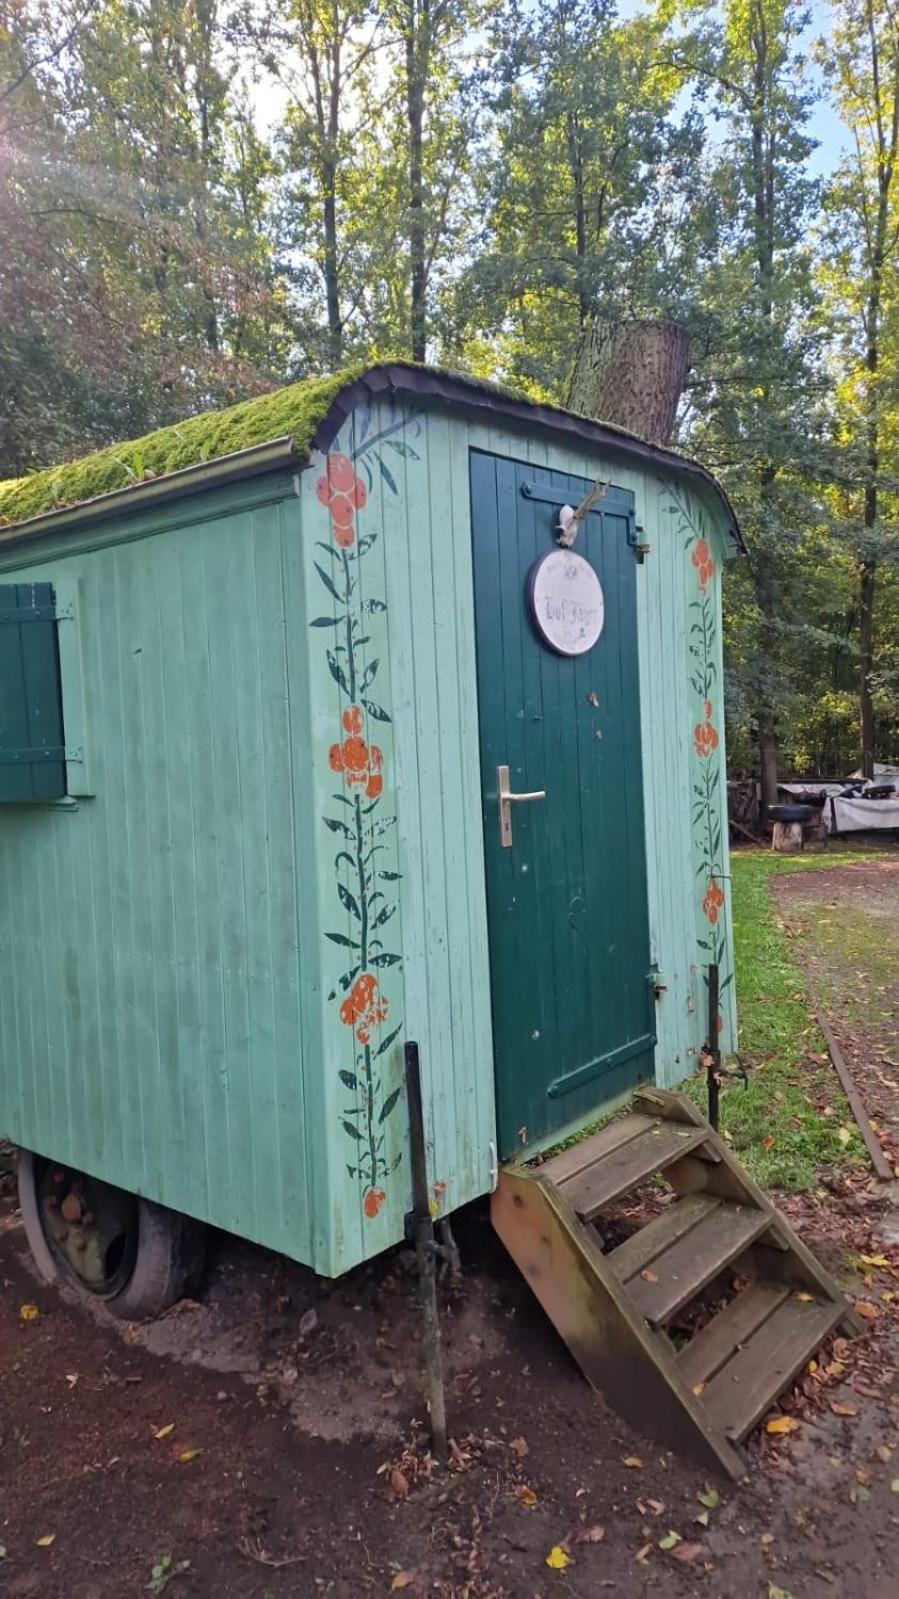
(861, 815)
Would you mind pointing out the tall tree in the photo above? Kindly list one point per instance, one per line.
(862, 61)
(755, 402)
(587, 198)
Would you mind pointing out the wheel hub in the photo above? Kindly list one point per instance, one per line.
(90, 1226)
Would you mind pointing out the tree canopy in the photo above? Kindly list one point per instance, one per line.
(204, 199)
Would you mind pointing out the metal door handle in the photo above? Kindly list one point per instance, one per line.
(506, 800)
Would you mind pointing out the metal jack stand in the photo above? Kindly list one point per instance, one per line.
(427, 1251)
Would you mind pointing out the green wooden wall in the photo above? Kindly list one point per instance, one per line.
(273, 873)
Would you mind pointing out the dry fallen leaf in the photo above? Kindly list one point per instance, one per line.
(709, 1498)
(839, 1409)
(634, 1462)
(402, 1580)
(46, 1540)
(592, 1534)
(399, 1484)
(782, 1424)
(525, 1496)
(643, 1554)
(557, 1559)
(164, 1432)
(768, 1141)
(649, 1276)
(686, 1552)
(28, 1312)
(894, 1486)
(698, 1387)
(874, 1260)
(670, 1539)
(866, 1309)
(778, 1593)
(803, 1297)
(187, 1455)
(844, 1134)
(520, 1447)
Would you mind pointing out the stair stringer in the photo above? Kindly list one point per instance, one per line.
(622, 1358)
(780, 1256)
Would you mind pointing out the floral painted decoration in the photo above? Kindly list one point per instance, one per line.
(707, 784)
(365, 885)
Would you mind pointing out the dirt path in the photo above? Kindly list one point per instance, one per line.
(296, 1463)
(845, 923)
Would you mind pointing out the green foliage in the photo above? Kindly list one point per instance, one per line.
(773, 1125)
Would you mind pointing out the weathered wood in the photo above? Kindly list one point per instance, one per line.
(560, 1168)
(645, 1246)
(744, 1388)
(787, 838)
(720, 1338)
(624, 1168)
(856, 1104)
(695, 1260)
(632, 374)
(625, 1362)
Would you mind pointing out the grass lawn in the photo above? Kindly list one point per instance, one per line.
(793, 1117)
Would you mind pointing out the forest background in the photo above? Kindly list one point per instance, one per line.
(202, 199)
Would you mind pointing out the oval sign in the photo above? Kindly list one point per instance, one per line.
(567, 604)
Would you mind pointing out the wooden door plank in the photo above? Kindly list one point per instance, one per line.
(720, 1338)
(561, 1168)
(628, 1166)
(741, 1392)
(717, 1239)
(659, 1235)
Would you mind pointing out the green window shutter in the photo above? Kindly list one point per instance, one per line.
(32, 745)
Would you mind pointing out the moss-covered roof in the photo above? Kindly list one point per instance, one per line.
(297, 413)
(293, 412)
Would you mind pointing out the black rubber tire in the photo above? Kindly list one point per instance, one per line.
(169, 1260)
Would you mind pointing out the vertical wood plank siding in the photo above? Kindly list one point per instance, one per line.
(173, 948)
(152, 1025)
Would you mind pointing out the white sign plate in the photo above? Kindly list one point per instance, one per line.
(566, 602)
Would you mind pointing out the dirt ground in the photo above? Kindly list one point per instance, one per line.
(269, 1440)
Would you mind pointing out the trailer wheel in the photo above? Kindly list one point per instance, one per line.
(137, 1257)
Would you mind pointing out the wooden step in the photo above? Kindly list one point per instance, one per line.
(559, 1168)
(720, 1338)
(613, 1174)
(643, 1247)
(740, 1393)
(716, 1238)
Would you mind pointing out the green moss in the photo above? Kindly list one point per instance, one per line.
(295, 411)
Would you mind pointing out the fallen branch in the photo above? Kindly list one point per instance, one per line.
(856, 1104)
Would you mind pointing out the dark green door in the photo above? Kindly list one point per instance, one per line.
(566, 900)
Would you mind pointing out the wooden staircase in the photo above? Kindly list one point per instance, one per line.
(623, 1309)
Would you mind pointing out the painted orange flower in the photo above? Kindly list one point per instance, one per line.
(701, 556)
(344, 493)
(714, 899)
(364, 1008)
(339, 477)
(373, 1201)
(705, 738)
(361, 763)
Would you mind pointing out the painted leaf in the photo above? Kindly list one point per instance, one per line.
(386, 474)
(369, 674)
(389, 1103)
(347, 899)
(337, 672)
(384, 959)
(325, 621)
(336, 826)
(376, 712)
(341, 938)
(348, 1079)
(386, 1042)
(330, 585)
(353, 1131)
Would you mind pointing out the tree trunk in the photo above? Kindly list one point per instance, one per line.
(866, 588)
(631, 374)
(418, 51)
(768, 764)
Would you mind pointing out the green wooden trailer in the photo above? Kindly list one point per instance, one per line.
(385, 707)
(259, 673)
